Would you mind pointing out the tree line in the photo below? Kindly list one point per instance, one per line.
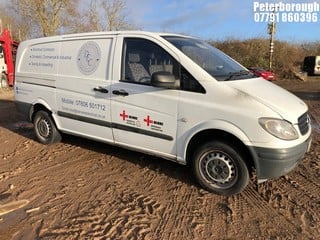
(287, 60)
(38, 18)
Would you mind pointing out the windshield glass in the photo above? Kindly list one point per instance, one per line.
(215, 62)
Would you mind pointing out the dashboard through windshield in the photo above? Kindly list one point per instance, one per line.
(215, 62)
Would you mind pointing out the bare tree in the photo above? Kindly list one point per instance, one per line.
(45, 16)
(110, 15)
(93, 17)
(115, 17)
(19, 31)
(50, 17)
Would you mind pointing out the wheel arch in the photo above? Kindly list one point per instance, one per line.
(220, 135)
(37, 106)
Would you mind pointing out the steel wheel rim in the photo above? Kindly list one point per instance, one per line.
(44, 128)
(218, 169)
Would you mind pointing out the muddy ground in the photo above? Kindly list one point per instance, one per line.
(80, 189)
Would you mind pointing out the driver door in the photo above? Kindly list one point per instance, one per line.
(143, 116)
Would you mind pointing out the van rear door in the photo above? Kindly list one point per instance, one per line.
(83, 88)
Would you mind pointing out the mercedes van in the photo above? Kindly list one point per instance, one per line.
(164, 94)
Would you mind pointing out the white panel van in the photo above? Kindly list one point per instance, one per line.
(3, 69)
(168, 95)
(311, 65)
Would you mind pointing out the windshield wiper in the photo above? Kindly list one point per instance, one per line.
(236, 74)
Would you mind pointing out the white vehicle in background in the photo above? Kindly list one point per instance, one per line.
(164, 94)
(3, 65)
(3, 69)
(311, 65)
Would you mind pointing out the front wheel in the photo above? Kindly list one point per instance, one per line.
(45, 128)
(220, 168)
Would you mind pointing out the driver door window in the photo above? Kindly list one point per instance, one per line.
(142, 58)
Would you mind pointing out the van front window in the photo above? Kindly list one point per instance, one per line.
(216, 63)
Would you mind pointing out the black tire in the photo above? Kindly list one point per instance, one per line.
(45, 129)
(220, 168)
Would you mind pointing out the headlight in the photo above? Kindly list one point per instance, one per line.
(279, 128)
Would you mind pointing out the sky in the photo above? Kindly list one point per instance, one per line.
(225, 19)
(219, 20)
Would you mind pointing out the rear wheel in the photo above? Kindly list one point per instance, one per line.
(220, 168)
(45, 128)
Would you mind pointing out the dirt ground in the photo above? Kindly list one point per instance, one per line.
(80, 189)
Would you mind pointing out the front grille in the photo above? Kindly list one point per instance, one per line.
(303, 123)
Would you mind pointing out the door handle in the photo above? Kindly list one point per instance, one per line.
(120, 92)
(100, 89)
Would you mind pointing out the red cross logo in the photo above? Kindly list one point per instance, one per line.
(123, 115)
(148, 120)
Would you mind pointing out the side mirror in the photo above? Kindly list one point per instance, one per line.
(163, 80)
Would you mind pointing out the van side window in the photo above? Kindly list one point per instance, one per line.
(189, 83)
(141, 58)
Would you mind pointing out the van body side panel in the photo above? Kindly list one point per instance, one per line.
(40, 59)
(35, 76)
(83, 88)
(25, 98)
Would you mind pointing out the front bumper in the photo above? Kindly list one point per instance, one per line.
(274, 163)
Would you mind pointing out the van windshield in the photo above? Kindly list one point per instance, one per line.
(215, 62)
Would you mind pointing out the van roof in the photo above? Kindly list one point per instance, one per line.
(108, 33)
